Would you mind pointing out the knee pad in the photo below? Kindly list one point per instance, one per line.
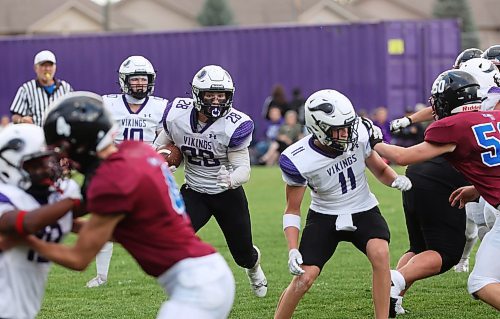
(470, 229)
(475, 212)
(448, 261)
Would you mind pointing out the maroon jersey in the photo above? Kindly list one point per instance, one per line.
(477, 153)
(156, 231)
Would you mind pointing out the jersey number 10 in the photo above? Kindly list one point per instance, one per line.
(134, 134)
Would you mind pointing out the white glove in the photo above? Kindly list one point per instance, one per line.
(398, 124)
(223, 178)
(294, 262)
(71, 190)
(402, 183)
(172, 168)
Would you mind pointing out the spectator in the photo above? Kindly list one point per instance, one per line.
(289, 133)
(4, 121)
(273, 126)
(33, 97)
(297, 104)
(410, 135)
(278, 99)
(380, 119)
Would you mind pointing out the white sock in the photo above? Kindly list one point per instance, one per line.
(103, 259)
(399, 283)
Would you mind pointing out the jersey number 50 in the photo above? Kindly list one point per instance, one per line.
(492, 157)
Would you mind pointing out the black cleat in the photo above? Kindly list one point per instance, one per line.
(392, 307)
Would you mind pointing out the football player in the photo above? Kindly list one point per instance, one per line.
(214, 138)
(493, 54)
(331, 162)
(28, 175)
(470, 141)
(138, 115)
(466, 55)
(142, 210)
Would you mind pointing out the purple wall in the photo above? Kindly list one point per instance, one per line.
(353, 59)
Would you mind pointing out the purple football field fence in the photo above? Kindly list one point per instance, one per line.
(387, 63)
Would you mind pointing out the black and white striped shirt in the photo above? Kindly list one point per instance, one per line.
(32, 99)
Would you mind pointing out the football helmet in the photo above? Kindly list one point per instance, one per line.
(134, 66)
(330, 110)
(454, 91)
(212, 78)
(485, 72)
(466, 55)
(78, 126)
(493, 54)
(21, 144)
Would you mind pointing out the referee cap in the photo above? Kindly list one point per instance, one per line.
(45, 56)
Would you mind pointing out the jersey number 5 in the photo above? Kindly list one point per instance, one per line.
(492, 157)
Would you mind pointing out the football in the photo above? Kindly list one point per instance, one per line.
(172, 154)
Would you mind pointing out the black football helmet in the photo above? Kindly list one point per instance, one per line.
(78, 126)
(454, 89)
(466, 55)
(493, 54)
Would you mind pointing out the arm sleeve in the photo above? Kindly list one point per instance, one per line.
(290, 173)
(109, 195)
(442, 132)
(240, 161)
(18, 105)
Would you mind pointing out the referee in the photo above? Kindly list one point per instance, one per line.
(33, 97)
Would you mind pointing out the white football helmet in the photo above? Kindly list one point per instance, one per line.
(329, 110)
(485, 72)
(212, 78)
(132, 66)
(20, 143)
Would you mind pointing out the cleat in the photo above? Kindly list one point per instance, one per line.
(96, 282)
(392, 307)
(399, 306)
(257, 278)
(462, 266)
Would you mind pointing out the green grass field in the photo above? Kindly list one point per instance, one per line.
(342, 291)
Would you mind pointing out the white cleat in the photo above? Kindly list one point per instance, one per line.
(96, 282)
(399, 306)
(462, 266)
(257, 278)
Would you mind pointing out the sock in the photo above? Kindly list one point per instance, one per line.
(103, 259)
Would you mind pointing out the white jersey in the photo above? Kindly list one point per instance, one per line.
(338, 184)
(205, 149)
(140, 126)
(491, 99)
(23, 273)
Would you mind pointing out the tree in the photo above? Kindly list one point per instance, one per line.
(215, 12)
(459, 9)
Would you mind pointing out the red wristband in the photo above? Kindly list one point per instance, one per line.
(76, 203)
(20, 222)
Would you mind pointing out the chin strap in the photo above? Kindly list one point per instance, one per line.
(132, 100)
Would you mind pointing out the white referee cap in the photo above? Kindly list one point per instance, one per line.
(45, 56)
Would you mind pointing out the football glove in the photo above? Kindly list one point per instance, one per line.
(172, 168)
(402, 183)
(398, 124)
(223, 178)
(294, 262)
(375, 133)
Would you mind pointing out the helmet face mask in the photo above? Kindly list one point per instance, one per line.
(136, 66)
(207, 86)
(453, 92)
(331, 118)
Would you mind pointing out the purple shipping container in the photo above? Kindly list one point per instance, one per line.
(386, 63)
